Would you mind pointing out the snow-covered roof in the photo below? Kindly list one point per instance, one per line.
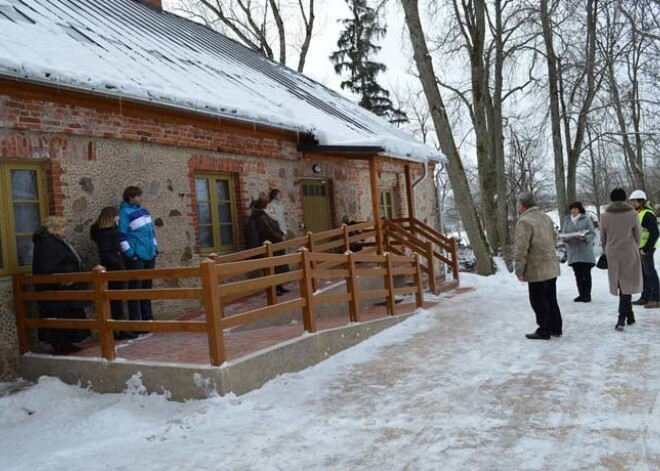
(125, 48)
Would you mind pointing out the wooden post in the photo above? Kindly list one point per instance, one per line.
(430, 265)
(307, 292)
(102, 303)
(454, 259)
(417, 279)
(312, 243)
(409, 193)
(389, 285)
(347, 244)
(352, 287)
(271, 295)
(213, 310)
(375, 207)
(19, 311)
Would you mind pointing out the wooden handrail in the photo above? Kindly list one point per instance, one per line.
(427, 234)
(213, 292)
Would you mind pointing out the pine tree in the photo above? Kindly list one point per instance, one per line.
(357, 45)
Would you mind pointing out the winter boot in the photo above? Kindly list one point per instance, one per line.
(621, 323)
(631, 318)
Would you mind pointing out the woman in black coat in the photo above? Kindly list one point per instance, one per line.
(104, 233)
(269, 230)
(53, 254)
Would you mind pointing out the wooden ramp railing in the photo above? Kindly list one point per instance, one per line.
(217, 287)
(421, 239)
(417, 237)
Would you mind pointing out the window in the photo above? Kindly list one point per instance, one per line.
(23, 205)
(216, 212)
(386, 204)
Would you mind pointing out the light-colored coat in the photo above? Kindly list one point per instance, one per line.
(536, 255)
(620, 234)
(275, 210)
(580, 251)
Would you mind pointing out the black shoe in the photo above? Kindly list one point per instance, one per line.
(579, 299)
(640, 302)
(619, 327)
(556, 334)
(631, 319)
(586, 299)
(282, 289)
(65, 348)
(537, 336)
(125, 335)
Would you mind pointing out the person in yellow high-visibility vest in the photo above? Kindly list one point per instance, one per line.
(650, 297)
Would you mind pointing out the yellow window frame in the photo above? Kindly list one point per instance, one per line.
(211, 179)
(7, 223)
(386, 203)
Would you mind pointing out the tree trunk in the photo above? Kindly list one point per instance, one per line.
(281, 33)
(308, 20)
(555, 118)
(497, 135)
(456, 172)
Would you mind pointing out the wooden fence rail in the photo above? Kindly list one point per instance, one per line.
(218, 286)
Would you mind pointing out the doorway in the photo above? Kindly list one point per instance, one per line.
(316, 205)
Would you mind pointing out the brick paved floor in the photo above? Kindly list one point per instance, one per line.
(193, 348)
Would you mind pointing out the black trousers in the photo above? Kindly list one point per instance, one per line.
(582, 271)
(543, 299)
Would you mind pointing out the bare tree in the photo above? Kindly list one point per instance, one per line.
(446, 140)
(259, 24)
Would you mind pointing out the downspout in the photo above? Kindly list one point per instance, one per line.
(420, 179)
(441, 228)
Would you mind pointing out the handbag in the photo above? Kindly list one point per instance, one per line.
(602, 262)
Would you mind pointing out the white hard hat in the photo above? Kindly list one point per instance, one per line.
(637, 195)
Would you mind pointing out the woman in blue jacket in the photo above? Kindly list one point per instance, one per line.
(138, 245)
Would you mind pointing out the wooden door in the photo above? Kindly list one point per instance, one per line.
(316, 205)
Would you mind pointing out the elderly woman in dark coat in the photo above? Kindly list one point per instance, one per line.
(53, 254)
(578, 233)
(269, 230)
(620, 234)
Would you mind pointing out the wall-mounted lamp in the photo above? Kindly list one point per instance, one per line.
(316, 168)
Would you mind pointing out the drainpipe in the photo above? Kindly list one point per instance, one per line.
(420, 179)
(441, 228)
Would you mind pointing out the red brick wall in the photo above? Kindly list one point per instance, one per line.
(66, 119)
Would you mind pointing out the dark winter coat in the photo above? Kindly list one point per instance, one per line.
(267, 227)
(251, 232)
(620, 234)
(54, 255)
(107, 241)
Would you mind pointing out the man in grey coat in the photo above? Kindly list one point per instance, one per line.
(537, 265)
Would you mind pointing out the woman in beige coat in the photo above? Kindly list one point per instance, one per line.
(620, 234)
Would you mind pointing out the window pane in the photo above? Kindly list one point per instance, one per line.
(26, 217)
(24, 249)
(202, 189)
(206, 236)
(227, 235)
(204, 213)
(224, 209)
(24, 185)
(222, 189)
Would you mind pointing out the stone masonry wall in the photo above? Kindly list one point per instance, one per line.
(90, 156)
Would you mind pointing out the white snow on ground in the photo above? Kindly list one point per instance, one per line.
(454, 388)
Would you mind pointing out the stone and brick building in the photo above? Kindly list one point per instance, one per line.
(102, 94)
